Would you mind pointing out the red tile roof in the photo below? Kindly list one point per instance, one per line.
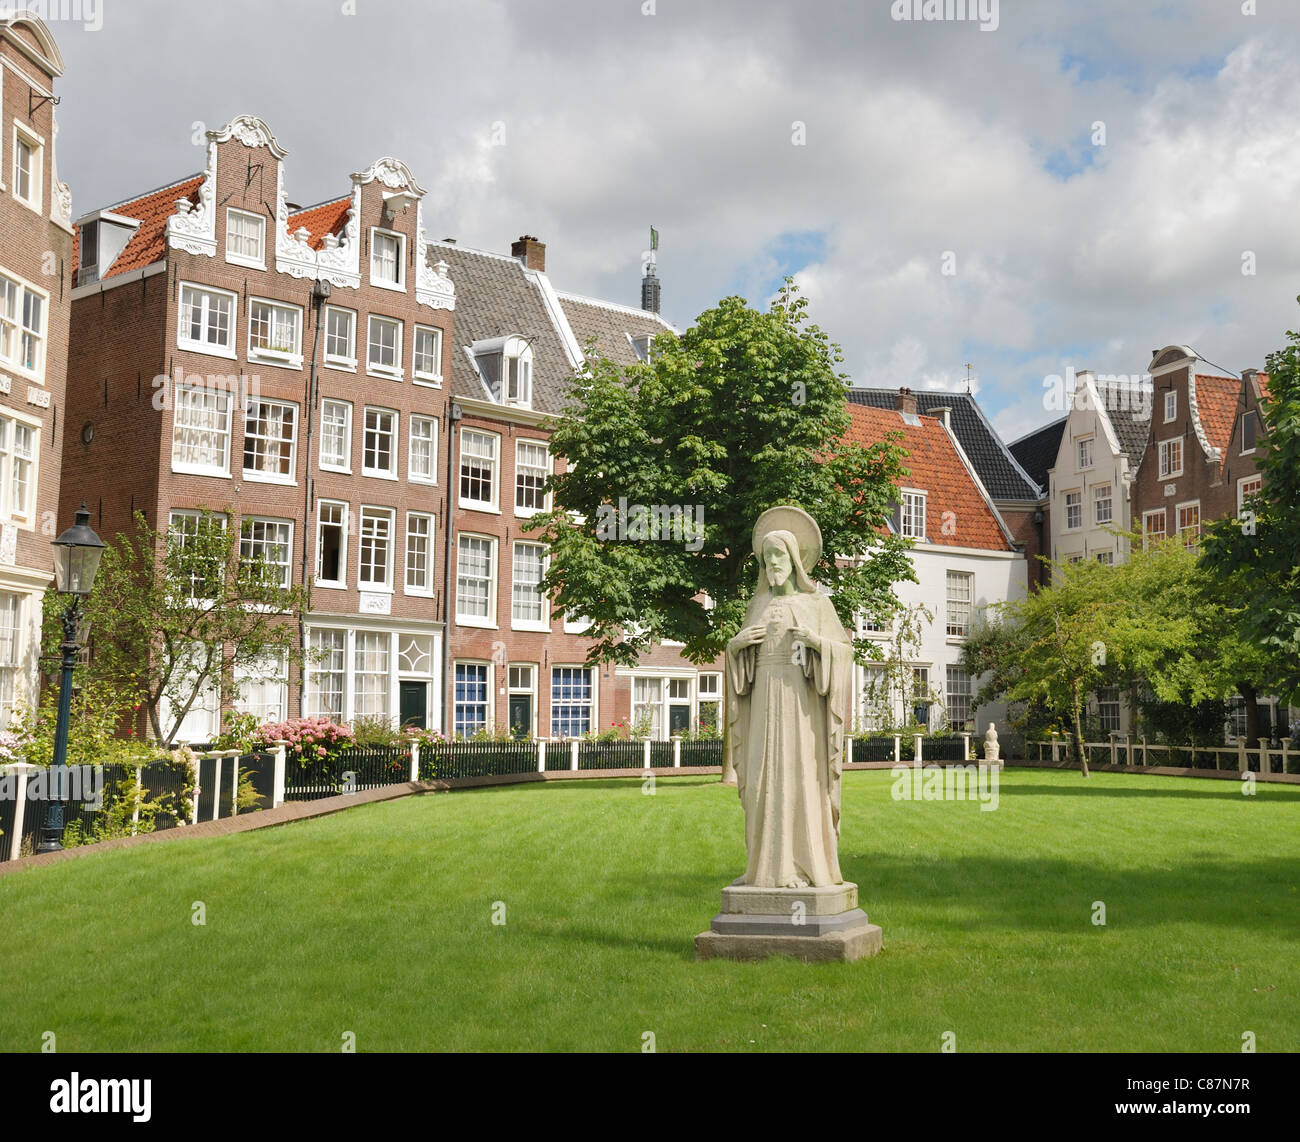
(937, 468)
(149, 243)
(1216, 401)
(327, 218)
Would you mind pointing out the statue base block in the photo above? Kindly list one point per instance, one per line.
(818, 925)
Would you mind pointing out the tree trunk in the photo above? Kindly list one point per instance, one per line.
(1080, 754)
(728, 770)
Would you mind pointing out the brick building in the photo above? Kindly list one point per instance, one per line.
(35, 269)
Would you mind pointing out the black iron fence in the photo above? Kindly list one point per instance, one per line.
(701, 753)
(445, 761)
(877, 749)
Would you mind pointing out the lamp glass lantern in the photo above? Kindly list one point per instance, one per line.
(76, 557)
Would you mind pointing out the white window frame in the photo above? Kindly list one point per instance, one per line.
(257, 262)
(950, 692)
(290, 358)
(179, 535)
(424, 377)
(13, 651)
(342, 581)
(520, 442)
(252, 474)
(37, 145)
(212, 350)
(427, 590)
(1085, 442)
(317, 666)
(1244, 450)
(490, 505)
(10, 423)
(391, 372)
(375, 511)
(540, 624)
(906, 517)
(1178, 522)
(345, 361)
(272, 671)
(493, 577)
(489, 684)
(19, 330)
(1098, 499)
(1242, 494)
(592, 703)
(1165, 448)
(330, 466)
(522, 361)
(1171, 406)
(400, 285)
(204, 469)
(1073, 492)
(411, 474)
(1147, 534)
(286, 578)
(958, 630)
(395, 435)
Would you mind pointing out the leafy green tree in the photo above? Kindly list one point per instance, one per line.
(1256, 557)
(741, 412)
(171, 617)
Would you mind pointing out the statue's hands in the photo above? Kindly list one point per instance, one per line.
(749, 636)
(808, 639)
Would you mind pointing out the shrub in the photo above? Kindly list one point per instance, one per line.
(377, 731)
(310, 739)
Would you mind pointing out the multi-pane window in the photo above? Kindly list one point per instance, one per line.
(1171, 406)
(376, 546)
(1251, 486)
(912, 516)
(21, 465)
(262, 687)
(422, 457)
(22, 326)
(921, 695)
(519, 379)
(419, 553)
(876, 707)
(273, 329)
(648, 707)
(532, 465)
(1073, 509)
(336, 435)
(11, 609)
(326, 673)
(710, 701)
(264, 547)
(370, 673)
(206, 320)
(957, 697)
(1105, 557)
(269, 440)
(201, 430)
(528, 606)
(961, 590)
(1171, 458)
(1189, 524)
(331, 542)
(185, 531)
(1108, 709)
(384, 354)
(475, 572)
(1084, 448)
(27, 170)
(478, 468)
(340, 336)
(379, 446)
(427, 359)
(385, 258)
(245, 238)
(1101, 503)
(1153, 526)
(571, 701)
(470, 699)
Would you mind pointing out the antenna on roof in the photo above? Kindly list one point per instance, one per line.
(969, 367)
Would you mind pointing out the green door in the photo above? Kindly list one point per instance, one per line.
(414, 702)
(521, 716)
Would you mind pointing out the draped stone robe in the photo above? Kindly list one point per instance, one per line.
(785, 714)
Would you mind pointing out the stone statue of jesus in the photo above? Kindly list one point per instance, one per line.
(789, 674)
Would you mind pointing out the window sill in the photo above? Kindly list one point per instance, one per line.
(394, 287)
(248, 263)
(330, 585)
(275, 360)
(528, 513)
(386, 374)
(424, 481)
(476, 506)
(33, 207)
(427, 382)
(24, 373)
(257, 478)
(379, 475)
(473, 621)
(411, 593)
(337, 470)
(206, 350)
(195, 470)
(374, 588)
(342, 364)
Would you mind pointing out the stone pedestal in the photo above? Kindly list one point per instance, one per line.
(812, 924)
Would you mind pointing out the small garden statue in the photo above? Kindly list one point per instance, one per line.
(992, 750)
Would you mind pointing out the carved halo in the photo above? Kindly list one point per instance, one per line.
(800, 524)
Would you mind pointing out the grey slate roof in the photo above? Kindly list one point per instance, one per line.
(998, 470)
(1036, 451)
(495, 296)
(1131, 432)
(610, 324)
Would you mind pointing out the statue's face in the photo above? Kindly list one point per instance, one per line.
(777, 562)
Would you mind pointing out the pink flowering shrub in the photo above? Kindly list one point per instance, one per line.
(312, 739)
(11, 747)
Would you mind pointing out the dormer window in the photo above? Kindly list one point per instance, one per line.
(102, 236)
(387, 259)
(519, 380)
(641, 346)
(506, 366)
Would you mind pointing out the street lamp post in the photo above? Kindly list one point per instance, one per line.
(76, 559)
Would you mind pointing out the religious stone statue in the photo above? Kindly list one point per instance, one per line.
(789, 675)
(992, 750)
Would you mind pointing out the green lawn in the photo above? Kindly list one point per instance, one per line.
(379, 921)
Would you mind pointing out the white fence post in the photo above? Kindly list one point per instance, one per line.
(848, 751)
(216, 788)
(541, 755)
(277, 781)
(1242, 763)
(1145, 762)
(1128, 749)
(1114, 757)
(573, 754)
(20, 770)
(415, 761)
(965, 747)
(898, 748)
(135, 813)
(234, 785)
(646, 753)
(1265, 760)
(677, 753)
(1056, 746)
(196, 766)
(916, 747)
(1286, 767)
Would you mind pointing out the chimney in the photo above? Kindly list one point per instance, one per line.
(530, 251)
(1248, 375)
(905, 401)
(650, 289)
(942, 411)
